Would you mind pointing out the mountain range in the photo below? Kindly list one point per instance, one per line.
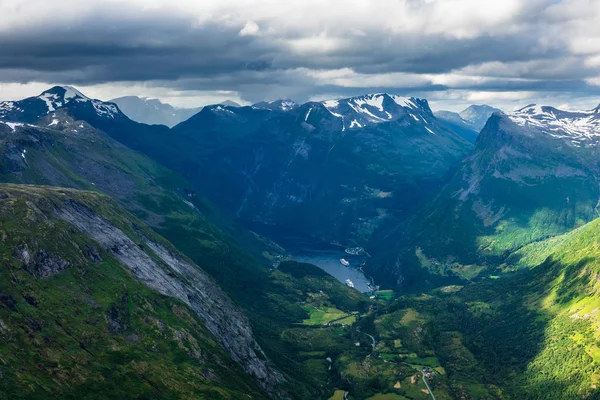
(155, 112)
(533, 175)
(131, 267)
(342, 168)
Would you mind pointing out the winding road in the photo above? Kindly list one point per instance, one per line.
(427, 384)
(370, 336)
(372, 339)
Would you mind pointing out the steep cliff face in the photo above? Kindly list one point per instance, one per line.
(169, 273)
(111, 233)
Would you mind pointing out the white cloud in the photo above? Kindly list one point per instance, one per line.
(479, 50)
(250, 29)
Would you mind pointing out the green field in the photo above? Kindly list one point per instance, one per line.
(324, 315)
(385, 294)
(418, 362)
(338, 395)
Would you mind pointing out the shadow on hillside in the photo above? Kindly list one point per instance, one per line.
(528, 350)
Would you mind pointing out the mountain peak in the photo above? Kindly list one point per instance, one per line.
(360, 111)
(230, 103)
(64, 94)
(578, 127)
(277, 105)
(59, 96)
(478, 114)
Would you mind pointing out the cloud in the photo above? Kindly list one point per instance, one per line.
(267, 49)
(250, 29)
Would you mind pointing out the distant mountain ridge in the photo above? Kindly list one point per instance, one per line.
(341, 164)
(478, 114)
(273, 161)
(470, 121)
(577, 128)
(277, 105)
(153, 111)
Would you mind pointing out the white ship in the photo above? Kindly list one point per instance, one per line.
(344, 262)
(349, 283)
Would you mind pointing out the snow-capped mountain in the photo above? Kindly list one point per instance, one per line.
(153, 111)
(579, 128)
(343, 165)
(534, 174)
(358, 112)
(277, 105)
(34, 108)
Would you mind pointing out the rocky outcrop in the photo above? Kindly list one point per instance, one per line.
(40, 263)
(160, 267)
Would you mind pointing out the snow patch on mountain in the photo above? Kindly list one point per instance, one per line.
(72, 93)
(376, 108)
(578, 127)
(278, 105)
(12, 125)
(329, 104)
(307, 114)
(51, 100)
(6, 106)
(404, 101)
(105, 109)
(373, 100)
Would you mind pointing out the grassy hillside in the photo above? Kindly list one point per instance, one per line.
(273, 299)
(537, 332)
(75, 323)
(518, 188)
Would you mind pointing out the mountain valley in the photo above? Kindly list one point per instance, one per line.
(132, 268)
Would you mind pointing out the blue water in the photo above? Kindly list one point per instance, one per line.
(323, 255)
(329, 261)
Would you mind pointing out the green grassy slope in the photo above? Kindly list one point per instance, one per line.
(537, 332)
(74, 323)
(517, 188)
(272, 299)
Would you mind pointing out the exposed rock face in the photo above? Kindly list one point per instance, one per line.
(41, 263)
(167, 272)
(93, 254)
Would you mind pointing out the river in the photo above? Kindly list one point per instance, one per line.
(314, 251)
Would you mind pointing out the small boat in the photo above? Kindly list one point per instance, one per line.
(354, 251)
(349, 283)
(344, 262)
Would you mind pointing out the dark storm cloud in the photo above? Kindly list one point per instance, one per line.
(175, 50)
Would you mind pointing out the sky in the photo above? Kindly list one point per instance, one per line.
(189, 53)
